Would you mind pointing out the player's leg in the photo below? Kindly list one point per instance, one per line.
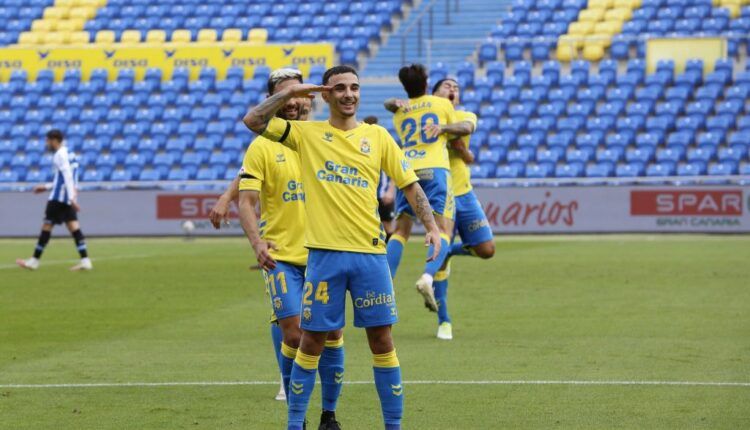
(52, 216)
(439, 192)
(284, 284)
(374, 302)
(75, 230)
(476, 235)
(440, 286)
(276, 339)
(397, 242)
(331, 371)
(323, 311)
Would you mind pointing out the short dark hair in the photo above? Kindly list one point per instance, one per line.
(338, 70)
(414, 79)
(372, 119)
(55, 134)
(440, 82)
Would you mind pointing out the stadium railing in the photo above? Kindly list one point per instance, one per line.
(425, 30)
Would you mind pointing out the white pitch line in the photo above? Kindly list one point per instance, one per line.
(74, 261)
(423, 382)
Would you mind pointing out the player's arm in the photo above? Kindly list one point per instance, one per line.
(257, 118)
(220, 212)
(248, 201)
(393, 104)
(421, 205)
(461, 128)
(459, 146)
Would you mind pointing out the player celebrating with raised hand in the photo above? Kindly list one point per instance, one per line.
(423, 123)
(470, 221)
(271, 175)
(341, 160)
(62, 204)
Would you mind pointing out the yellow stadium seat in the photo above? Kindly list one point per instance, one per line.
(618, 14)
(566, 53)
(576, 41)
(593, 15)
(232, 35)
(79, 38)
(56, 38)
(608, 27)
(83, 12)
(90, 3)
(581, 28)
(65, 25)
(104, 37)
(181, 36)
(628, 4)
(601, 38)
(207, 35)
(601, 4)
(593, 52)
(131, 37)
(56, 13)
(41, 25)
(258, 35)
(28, 38)
(156, 36)
(65, 3)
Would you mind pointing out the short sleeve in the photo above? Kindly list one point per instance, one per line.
(470, 117)
(288, 133)
(252, 173)
(394, 163)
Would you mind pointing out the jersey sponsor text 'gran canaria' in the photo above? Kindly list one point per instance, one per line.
(341, 170)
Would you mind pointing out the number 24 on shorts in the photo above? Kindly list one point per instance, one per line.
(321, 293)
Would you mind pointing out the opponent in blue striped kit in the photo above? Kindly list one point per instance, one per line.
(62, 204)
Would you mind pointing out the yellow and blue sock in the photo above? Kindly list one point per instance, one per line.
(458, 248)
(301, 386)
(394, 249)
(441, 295)
(331, 371)
(433, 266)
(286, 362)
(276, 339)
(387, 373)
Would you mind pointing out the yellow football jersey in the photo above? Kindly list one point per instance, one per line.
(341, 170)
(459, 170)
(410, 122)
(274, 171)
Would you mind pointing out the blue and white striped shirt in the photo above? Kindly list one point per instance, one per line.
(65, 181)
(385, 182)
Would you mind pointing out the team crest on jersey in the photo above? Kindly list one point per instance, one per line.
(328, 136)
(277, 303)
(307, 314)
(364, 146)
(280, 158)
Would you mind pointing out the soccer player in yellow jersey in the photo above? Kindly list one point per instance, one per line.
(341, 160)
(270, 175)
(424, 123)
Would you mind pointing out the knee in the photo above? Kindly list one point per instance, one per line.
(380, 341)
(335, 335)
(291, 337)
(485, 250)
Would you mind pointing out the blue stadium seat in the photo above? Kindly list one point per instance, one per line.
(600, 170)
(660, 169)
(691, 169)
(630, 170)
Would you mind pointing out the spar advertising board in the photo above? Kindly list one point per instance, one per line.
(510, 210)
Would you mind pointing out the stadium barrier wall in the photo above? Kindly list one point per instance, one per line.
(510, 210)
(193, 56)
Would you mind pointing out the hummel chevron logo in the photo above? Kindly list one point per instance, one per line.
(297, 388)
(397, 390)
(109, 54)
(287, 51)
(169, 52)
(42, 54)
(338, 377)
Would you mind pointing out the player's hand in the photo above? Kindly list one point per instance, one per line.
(263, 254)
(433, 130)
(39, 189)
(76, 206)
(432, 237)
(219, 213)
(306, 90)
(401, 104)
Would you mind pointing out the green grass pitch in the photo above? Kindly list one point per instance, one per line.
(586, 309)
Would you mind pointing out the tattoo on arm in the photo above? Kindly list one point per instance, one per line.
(463, 128)
(259, 116)
(423, 208)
